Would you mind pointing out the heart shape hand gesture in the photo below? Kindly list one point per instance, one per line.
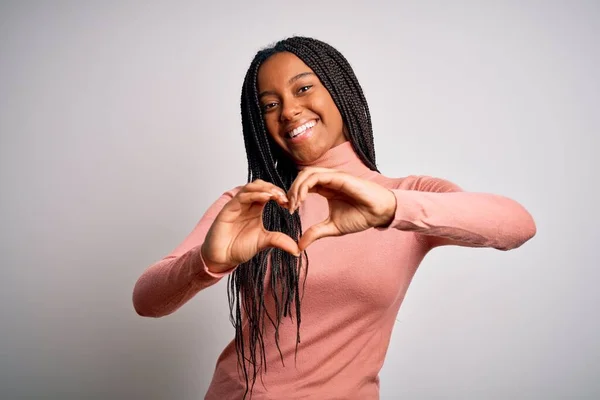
(238, 233)
(355, 204)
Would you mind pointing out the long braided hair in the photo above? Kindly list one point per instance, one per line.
(267, 161)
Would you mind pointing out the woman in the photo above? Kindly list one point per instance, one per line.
(315, 197)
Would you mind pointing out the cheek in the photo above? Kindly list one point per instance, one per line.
(271, 125)
(273, 128)
(325, 106)
(319, 106)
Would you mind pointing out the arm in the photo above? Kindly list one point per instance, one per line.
(169, 283)
(444, 214)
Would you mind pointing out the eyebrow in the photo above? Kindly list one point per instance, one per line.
(292, 80)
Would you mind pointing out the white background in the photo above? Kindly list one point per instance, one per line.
(120, 125)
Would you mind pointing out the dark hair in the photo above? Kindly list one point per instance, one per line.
(267, 161)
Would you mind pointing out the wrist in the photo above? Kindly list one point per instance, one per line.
(212, 266)
(389, 210)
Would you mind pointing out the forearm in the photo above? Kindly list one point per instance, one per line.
(167, 285)
(463, 218)
(171, 282)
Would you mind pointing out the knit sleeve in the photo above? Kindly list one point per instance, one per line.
(443, 214)
(172, 281)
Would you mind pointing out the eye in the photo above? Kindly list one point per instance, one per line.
(304, 88)
(268, 106)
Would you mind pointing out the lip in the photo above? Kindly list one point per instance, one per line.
(290, 127)
(307, 134)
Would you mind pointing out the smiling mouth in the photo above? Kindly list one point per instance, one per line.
(302, 129)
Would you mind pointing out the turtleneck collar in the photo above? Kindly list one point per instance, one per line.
(342, 158)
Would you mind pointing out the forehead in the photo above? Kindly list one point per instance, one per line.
(278, 69)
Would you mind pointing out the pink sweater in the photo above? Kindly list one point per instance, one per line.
(355, 284)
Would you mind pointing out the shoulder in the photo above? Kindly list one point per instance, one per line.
(421, 183)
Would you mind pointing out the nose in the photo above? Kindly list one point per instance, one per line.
(290, 108)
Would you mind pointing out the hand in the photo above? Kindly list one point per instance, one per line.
(355, 204)
(238, 233)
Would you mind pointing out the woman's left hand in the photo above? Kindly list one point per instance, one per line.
(355, 204)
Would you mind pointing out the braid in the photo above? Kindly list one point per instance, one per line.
(267, 161)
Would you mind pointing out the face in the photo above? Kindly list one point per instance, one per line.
(299, 112)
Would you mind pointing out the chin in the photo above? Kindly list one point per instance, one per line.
(309, 156)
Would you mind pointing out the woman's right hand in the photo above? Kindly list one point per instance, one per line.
(238, 233)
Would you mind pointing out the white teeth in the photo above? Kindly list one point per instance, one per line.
(302, 128)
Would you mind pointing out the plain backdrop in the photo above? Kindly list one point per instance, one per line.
(120, 125)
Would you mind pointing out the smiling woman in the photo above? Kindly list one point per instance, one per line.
(311, 164)
(300, 114)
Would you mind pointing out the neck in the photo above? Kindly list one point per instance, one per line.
(342, 158)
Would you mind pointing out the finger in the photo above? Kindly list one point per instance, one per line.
(280, 241)
(260, 198)
(293, 188)
(251, 199)
(316, 232)
(302, 176)
(332, 181)
(261, 186)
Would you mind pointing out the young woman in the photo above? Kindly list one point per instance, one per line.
(315, 197)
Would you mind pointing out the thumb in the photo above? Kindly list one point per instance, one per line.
(316, 232)
(279, 240)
